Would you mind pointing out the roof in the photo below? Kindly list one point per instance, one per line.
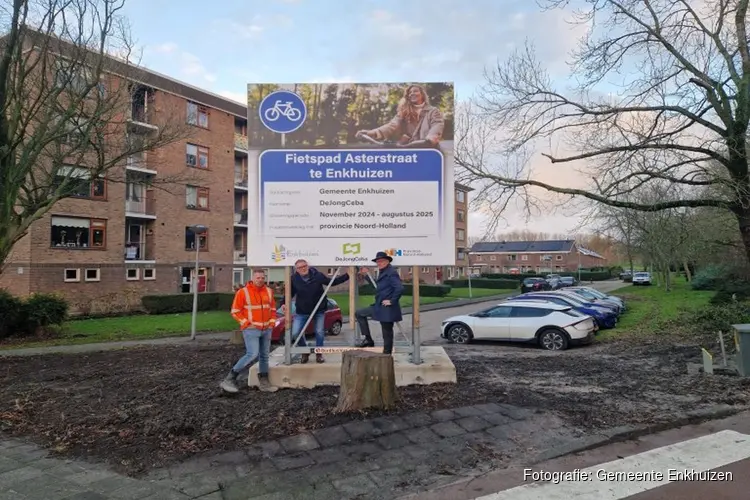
(522, 246)
(140, 74)
(463, 187)
(590, 253)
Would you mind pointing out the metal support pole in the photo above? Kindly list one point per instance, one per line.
(417, 343)
(471, 296)
(315, 310)
(194, 318)
(287, 316)
(357, 337)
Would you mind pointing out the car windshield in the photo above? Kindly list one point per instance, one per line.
(529, 281)
(641, 275)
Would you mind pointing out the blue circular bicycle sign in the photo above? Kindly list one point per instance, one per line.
(282, 111)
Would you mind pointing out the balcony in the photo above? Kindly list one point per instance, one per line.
(139, 251)
(142, 207)
(240, 257)
(240, 219)
(138, 163)
(240, 181)
(240, 142)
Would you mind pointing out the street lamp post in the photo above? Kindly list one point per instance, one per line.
(198, 230)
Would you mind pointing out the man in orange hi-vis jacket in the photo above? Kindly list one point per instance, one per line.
(254, 308)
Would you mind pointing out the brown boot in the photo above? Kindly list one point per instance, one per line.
(319, 358)
(304, 358)
(264, 384)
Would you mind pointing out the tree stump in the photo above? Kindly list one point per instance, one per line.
(368, 380)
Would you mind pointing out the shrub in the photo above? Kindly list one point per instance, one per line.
(424, 290)
(719, 317)
(31, 315)
(10, 312)
(495, 284)
(42, 310)
(183, 302)
(709, 278)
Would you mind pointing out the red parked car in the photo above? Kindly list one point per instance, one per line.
(333, 322)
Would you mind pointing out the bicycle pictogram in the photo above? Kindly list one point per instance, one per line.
(285, 109)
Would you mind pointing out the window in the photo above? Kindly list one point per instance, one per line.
(512, 257)
(237, 275)
(460, 216)
(558, 257)
(149, 273)
(78, 232)
(460, 235)
(480, 257)
(92, 275)
(493, 257)
(330, 271)
(425, 270)
(460, 255)
(498, 312)
(524, 257)
(196, 156)
(530, 312)
(77, 79)
(196, 198)
(132, 274)
(77, 183)
(197, 115)
(190, 238)
(72, 275)
(460, 196)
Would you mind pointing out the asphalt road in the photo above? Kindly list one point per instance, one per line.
(431, 320)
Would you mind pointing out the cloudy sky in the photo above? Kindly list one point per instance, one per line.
(225, 44)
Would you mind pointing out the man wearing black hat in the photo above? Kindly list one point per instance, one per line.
(386, 309)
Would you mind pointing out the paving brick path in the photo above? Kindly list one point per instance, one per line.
(380, 458)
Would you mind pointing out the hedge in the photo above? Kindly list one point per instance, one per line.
(183, 302)
(28, 315)
(424, 290)
(585, 276)
(495, 284)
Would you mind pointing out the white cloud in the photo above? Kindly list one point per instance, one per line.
(255, 28)
(180, 63)
(332, 79)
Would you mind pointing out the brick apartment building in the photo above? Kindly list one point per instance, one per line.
(525, 256)
(127, 239)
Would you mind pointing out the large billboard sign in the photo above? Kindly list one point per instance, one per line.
(339, 172)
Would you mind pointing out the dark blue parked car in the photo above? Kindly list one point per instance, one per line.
(604, 317)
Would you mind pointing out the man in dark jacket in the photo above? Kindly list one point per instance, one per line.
(386, 308)
(308, 286)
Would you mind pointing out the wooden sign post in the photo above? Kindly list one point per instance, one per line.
(288, 315)
(416, 341)
(353, 284)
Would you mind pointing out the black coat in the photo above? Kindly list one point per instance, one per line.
(306, 293)
(389, 288)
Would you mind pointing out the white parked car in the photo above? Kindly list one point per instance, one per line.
(554, 327)
(642, 278)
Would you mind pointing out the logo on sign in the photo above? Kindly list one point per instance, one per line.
(393, 252)
(282, 111)
(351, 248)
(279, 253)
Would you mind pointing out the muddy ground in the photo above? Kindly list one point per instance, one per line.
(141, 408)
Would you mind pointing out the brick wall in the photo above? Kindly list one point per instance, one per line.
(502, 263)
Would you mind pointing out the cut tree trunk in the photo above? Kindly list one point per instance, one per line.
(368, 380)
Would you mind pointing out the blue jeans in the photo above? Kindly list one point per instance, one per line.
(257, 345)
(319, 323)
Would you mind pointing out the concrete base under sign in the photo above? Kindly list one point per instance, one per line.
(436, 367)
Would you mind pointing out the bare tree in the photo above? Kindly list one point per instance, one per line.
(69, 99)
(682, 70)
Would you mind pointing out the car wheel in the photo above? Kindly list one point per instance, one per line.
(553, 340)
(336, 328)
(459, 334)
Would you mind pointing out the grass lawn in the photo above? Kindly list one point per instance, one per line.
(169, 325)
(650, 307)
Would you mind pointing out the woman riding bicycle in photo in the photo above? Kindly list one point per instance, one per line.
(417, 123)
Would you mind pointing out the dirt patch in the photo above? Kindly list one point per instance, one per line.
(142, 408)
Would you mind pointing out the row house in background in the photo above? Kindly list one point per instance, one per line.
(504, 257)
(135, 236)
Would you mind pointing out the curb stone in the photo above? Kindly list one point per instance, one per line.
(612, 436)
